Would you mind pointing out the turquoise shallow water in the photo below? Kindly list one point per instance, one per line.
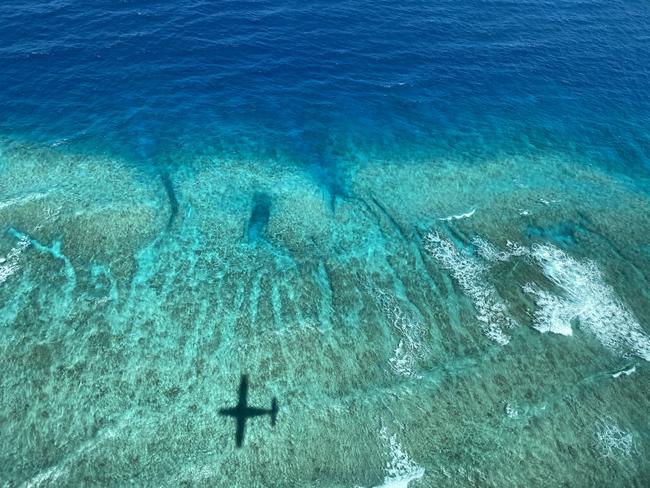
(424, 227)
(445, 323)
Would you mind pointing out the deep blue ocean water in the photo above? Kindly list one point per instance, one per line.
(305, 78)
(423, 226)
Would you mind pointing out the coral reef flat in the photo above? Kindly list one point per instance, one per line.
(450, 317)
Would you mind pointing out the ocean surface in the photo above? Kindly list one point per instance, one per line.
(424, 227)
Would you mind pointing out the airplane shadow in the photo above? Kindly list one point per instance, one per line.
(242, 412)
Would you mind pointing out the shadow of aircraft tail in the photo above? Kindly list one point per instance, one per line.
(274, 411)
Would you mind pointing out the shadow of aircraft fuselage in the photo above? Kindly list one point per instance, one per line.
(242, 411)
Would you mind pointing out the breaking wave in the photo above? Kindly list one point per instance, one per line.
(611, 440)
(458, 216)
(470, 275)
(9, 263)
(587, 301)
(624, 372)
(410, 330)
(400, 468)
(490, 252)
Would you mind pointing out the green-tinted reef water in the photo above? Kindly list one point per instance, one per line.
(437, 322)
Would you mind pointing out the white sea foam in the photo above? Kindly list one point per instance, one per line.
(9, 264)
(400, 468)
(410, 330)
(470, 275)
(587, 301)
(403, 362)
(626, 372)
(459, 216)
(59, 142)
(511, 411)
(554, 314)
(611, 440)
(490, 252)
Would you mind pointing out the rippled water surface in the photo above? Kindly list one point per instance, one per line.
(424, 227)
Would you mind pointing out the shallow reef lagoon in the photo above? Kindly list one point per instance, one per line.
(424, 227)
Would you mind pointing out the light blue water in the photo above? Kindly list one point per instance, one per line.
(424, 228)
